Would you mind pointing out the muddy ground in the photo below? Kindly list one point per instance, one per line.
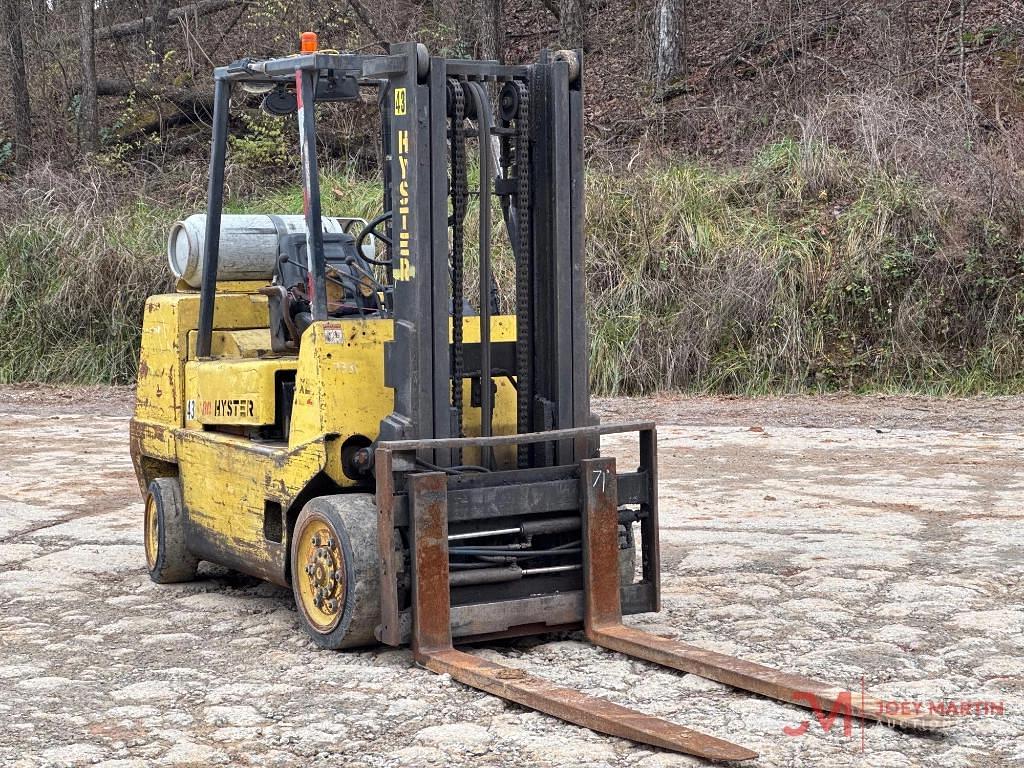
(874, 540)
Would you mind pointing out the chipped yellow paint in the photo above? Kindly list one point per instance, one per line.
(504, 423)
(339, 384)
(241, 342)
(224, 286)
(228, 478)
(167, 321)
(151, 440)
(240, 286)
(503, 328)
(225, 482)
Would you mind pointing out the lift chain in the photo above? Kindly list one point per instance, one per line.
(460, 193)
(524, 393)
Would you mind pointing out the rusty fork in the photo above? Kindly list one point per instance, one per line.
(432, 647)
(603, 623)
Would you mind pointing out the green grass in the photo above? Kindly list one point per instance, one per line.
(784, 277)
(805, 270)
(72, 291)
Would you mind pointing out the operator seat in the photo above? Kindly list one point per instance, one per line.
(351, 287)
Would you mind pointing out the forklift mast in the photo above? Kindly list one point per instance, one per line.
(538, 177)
(530, 156)
(525, 124)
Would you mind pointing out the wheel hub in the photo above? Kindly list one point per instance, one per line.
(323, 583)
(151, 533)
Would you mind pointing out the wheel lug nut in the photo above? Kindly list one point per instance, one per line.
(309, 570)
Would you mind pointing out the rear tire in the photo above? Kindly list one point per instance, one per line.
(334, 571)
(167, 558)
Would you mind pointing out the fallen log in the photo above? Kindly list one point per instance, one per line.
(107, 87)
(165, 106)
(140, 26)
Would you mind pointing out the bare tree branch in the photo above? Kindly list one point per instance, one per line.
(364, 17)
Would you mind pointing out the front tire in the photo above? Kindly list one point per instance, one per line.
(167, 558)
(334, 572)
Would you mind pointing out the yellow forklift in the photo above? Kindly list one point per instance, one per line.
(325, 403)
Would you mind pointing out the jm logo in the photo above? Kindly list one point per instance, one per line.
(843, 706)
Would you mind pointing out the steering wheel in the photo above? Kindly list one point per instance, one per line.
(371, 229)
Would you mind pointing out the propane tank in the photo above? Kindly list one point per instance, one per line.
(248, 245)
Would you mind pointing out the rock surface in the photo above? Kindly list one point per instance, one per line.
(888, 552)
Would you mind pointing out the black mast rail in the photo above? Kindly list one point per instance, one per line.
(214, 208)
(482, 106)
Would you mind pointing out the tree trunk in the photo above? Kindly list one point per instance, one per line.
(87, 112)
(571, 15)
(158, 30)
(670, 43)
(21, 117)
(492, 30)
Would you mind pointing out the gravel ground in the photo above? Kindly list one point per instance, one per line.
(876, 540)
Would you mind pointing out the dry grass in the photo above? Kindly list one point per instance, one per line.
(885, 265)
(894, 263)
(76, 263)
